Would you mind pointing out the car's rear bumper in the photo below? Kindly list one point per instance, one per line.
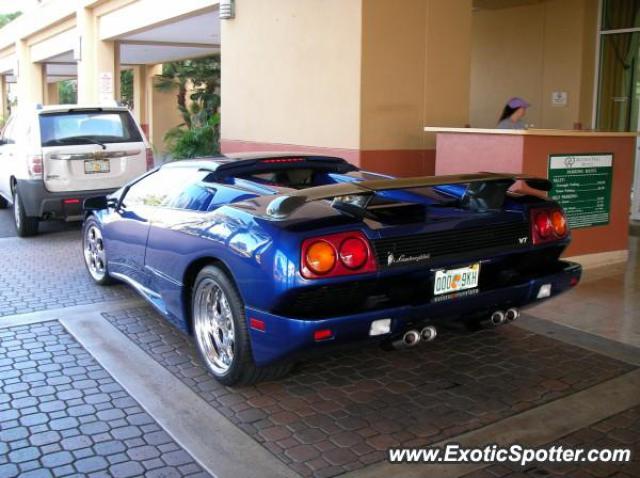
(285, 337)
(38, 202)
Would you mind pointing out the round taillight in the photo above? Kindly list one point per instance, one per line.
(354, 253)
(543, 224)
(559, 222)
(320, 257)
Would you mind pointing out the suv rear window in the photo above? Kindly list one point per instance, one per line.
(87, 126)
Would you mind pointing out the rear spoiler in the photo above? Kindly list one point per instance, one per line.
(484, 190)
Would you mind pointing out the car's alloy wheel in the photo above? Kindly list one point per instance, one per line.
(95, 253)
(25, 225)
(214, 328)
(221, 332)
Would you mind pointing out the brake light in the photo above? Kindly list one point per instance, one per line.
(70, 201)
(150, 161)
(337, 255)
(354, 252)
(548, 225)
(282, 160)
(35, 165)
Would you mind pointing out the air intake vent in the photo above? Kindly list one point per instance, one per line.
(422, 248)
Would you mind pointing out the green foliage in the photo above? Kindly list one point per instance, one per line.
(199, 134)
(126, 88)
(195, 141)
(8, 17)
(68, 92)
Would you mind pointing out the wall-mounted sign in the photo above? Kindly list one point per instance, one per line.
(582, 186)
(559, 98)
(105, 88)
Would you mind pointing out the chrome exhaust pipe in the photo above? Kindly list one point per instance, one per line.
(498, 318)
(512, 314)
(428, 333)
(411, 338)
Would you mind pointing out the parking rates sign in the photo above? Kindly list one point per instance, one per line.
(582, 186)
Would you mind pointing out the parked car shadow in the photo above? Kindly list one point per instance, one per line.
(8, 228)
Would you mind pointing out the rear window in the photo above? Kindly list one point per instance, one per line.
(85, 127)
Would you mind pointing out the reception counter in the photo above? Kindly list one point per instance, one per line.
(592, 174)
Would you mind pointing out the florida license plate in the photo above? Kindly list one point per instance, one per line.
(94, 166)
(455, 280)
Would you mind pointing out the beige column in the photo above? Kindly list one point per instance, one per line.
(30, 87)
(98, 68)
(4, 106)
(51, 94)
(140, 94)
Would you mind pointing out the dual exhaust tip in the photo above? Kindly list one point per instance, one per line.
(499, 317)
(413, 337)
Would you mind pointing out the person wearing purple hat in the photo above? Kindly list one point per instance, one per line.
(512, 114)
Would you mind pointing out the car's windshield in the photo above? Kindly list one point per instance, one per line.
(83, 127)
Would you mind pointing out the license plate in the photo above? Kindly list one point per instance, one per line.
(455, 280)
(94, 166)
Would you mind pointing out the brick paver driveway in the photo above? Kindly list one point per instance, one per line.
(47, 272)
(62, 413)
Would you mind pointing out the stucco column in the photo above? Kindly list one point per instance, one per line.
(30, 87)
(363, 89)
(51, 94)
(98, 69)
(140, 95)
(4, 107)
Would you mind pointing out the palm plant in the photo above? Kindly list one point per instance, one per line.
(198, 81)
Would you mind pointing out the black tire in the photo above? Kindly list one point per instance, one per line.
(4, 204)
(26, 226)
(99, 276)
(242, 369)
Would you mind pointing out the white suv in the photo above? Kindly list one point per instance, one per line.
(54, 157)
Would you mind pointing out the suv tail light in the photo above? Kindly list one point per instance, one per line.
(548, 224)
(35, 166)
(337, 255)
(150, 161)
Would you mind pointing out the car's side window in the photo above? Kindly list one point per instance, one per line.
(176, 188)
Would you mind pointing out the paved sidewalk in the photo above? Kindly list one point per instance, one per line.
(61, 414)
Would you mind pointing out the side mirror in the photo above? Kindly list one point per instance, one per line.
(96, 203)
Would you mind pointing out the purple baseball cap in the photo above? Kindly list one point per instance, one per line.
(517, 102)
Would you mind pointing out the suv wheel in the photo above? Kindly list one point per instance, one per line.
(25, 226)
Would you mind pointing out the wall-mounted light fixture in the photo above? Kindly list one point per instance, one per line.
(227, 9)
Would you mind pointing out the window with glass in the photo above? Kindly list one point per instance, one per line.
(176, 188)
(619, 71)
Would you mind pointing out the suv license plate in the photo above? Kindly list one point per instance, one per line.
(455, 280)
(94, 166)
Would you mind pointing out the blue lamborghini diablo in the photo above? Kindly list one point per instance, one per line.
(265, 258)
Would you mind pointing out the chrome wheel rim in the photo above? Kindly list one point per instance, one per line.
(16, 210)
(214, 328)
(94, 253)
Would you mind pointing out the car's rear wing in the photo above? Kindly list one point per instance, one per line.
(484, 190)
